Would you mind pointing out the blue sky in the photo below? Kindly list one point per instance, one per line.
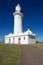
(33, 17)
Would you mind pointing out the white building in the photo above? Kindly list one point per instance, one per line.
(18, 37)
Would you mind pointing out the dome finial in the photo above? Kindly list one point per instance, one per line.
(18, 4)
(18, 7)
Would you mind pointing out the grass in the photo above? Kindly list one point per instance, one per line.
(10, 54)
(38, 45)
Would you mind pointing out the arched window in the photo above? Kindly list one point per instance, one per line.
(24, 38)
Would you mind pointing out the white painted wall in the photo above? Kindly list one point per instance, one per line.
(15, 40)
(11, 40)
(24, 41)
(6, 40)
(17, 23)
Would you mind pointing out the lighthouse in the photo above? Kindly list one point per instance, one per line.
(17, 19)
(18, 36)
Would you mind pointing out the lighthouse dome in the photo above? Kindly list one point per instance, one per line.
(18, 8)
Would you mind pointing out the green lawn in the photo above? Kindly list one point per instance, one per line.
(10, 54)
(38, 45)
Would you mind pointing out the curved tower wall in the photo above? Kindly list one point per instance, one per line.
(17, 20)
(17, 23)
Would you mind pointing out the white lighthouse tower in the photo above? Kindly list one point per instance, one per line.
(17, 19)
(19, 37)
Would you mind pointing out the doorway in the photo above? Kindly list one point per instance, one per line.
(13, 40)
(19, 40)
(9, 40)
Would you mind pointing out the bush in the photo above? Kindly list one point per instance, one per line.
(36, 41)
